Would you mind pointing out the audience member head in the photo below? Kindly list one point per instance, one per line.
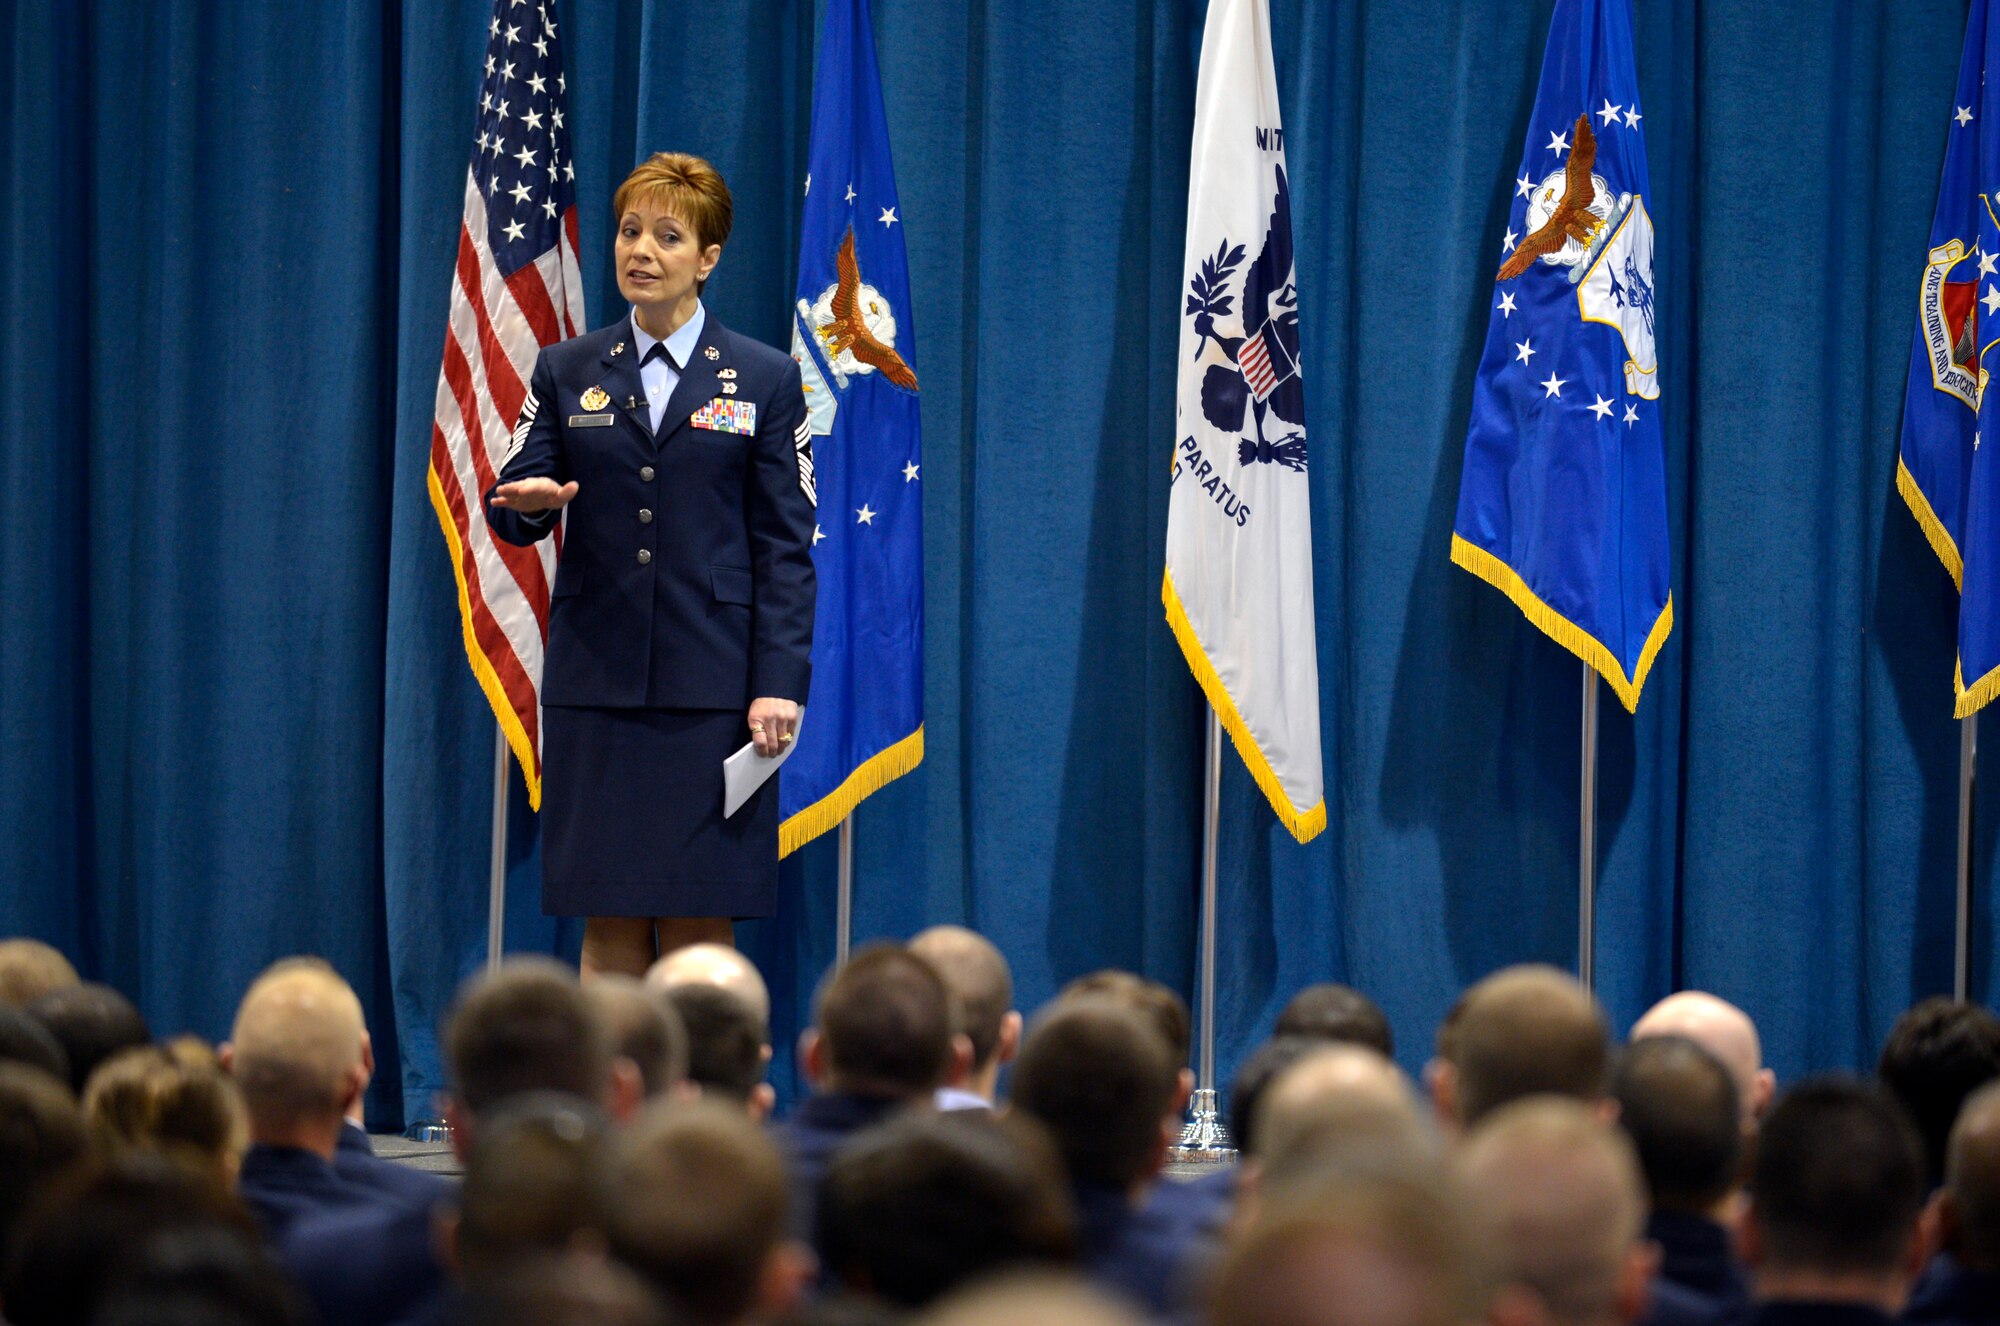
(1969, 1206)
(568, 1289)
(726, 1049)
(30, 969)
(299, 1054)
(978, 976)
(528, 1181)
(1254, 1078)
(1835, 1196)
(41, 1139)
(1938, 1053)
(1333, 1012)
(1523, 1031)
(25, 1039)
(1363, 1252)
(90, 1234)
(718, 965)
(1726, 1032)
(645, 1031)
(924, 1203)
(92, 1022)
(171, 1098)
(1677, 1102)
(1321, 1083)
(525, 1027)
(209, 1275)
(1099, 1076)
(1563, 1205)
(1339, 1114)
(883, 1026)
(1167, 1011)
(692, 1196)
(1030, 1299)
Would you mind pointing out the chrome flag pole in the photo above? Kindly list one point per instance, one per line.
(1205, 1139)
(496, 881)
(1968, 758)
(1586, 875)
(843, 915)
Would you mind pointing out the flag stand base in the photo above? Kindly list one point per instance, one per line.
(1204, 1140)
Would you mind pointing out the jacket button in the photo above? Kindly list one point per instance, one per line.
(645, 516)
(645, 473)
(645, 556)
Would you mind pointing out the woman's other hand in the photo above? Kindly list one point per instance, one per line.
(774, 724)
(531, 495)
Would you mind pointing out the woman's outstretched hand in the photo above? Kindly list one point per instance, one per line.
(531, 495)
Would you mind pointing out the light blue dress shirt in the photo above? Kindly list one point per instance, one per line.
(663, 374)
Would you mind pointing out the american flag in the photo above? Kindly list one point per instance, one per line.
(516, 288)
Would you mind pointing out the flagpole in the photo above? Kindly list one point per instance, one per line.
(843, 913)
(1586, 875)
(496, 879)
(1205, 1139)
(1968, 757)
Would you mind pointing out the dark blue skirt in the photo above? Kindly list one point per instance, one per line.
(632, 816)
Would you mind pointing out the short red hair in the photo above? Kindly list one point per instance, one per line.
(683, 186)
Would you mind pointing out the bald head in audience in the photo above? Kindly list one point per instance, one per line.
(1374, 1251)
(717, 965)
(1030, 1299)
(1339, 1113)
(1524, 1031)
(1559, 1194)
(299, 1054)
(1726, 1032)
(1969, 1205)
(30, 969)
(978, 976)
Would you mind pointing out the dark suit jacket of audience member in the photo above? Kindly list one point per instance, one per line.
(1807, 1312)
(1669, 1304)
(1199, 1206)
(357, 1162)
(812, 1134)
(1136, 1251)
(375, 1266)
(285, 1184)
(1695, 1255)
(1949, 1295)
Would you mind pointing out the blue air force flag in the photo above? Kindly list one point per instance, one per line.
(1951, 484)
(1563, 502)
(1239, 590)
(852, 339)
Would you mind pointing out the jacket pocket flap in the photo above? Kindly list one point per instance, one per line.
(731, 583)
(569, 581)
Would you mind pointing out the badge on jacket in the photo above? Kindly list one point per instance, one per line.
(594, 399)
(726, 416)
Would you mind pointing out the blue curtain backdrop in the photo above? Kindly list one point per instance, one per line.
(235, 716)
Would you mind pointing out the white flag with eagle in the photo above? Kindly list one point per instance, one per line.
(1239, 587)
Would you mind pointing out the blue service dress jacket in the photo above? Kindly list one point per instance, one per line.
(686, 575)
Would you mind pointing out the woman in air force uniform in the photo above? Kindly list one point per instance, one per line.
(680, 622)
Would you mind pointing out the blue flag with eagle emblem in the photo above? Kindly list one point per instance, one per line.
(1950, 483)
(1562, 505)
(852, 339)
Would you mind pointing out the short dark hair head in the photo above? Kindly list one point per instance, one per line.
(1333, 1012)
(526, 1027)
(1972, 1181)
(1938, 1053)
(978, 975)
(1677, 1102)
(92, 1022)
(528, 1180)
(1527, 1031)
(560, 1290)
(692, 1196)
(725, 1040)
(209, 1275)
(885, 1020)
(644, 1028)
(30, 969)
(1261, 1069)
(87, 1236)
(917, 1206)
(1167, 1011)
(26, 1039)
(1099, 1076)
(41, 1139)
(1838, 1180)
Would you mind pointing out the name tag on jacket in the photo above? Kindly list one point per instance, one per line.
(726, 416)
(590, 421)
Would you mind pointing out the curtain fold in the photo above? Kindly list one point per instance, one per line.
(235, 715)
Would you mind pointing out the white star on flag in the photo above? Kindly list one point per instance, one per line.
(1985, 262)
(1554, 386)
(1558, 143)
(864, 516)
(818, 534)
(1602, 409)
(515, 230)
(1632, 118)
(1991, 299)
(1609, 112)
(1525, 350)
(1506, 305)
(888, 217)
(1525, 187)
(910, 472)
(850, 193)
(1631, 415)
(1964, 116)
(1508, 241)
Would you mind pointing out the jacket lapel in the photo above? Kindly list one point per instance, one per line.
(621, 381)
(699, 383)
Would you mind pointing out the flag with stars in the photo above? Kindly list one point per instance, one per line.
(515, 288)
(1951, 484)
(1562, 504)
(856, 351)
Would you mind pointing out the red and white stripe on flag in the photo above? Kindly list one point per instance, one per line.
(505, 307)
(1254, 357)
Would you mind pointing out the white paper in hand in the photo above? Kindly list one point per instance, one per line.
(745, 771)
